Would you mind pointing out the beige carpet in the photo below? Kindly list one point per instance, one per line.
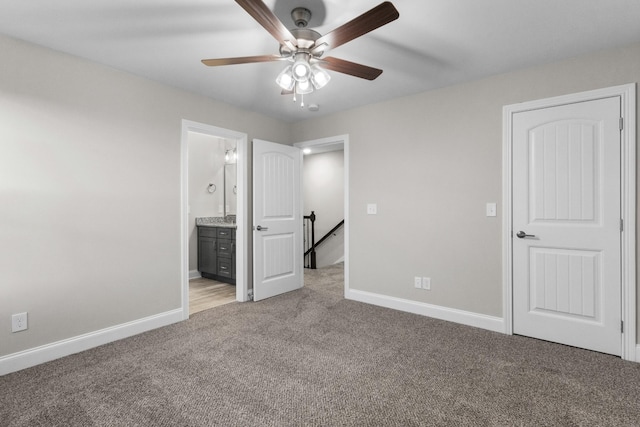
(312, 358)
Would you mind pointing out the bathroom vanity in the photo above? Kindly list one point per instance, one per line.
(217, 249)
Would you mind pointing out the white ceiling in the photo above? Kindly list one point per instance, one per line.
(434, 43)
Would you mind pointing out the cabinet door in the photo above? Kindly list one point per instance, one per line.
(207, 256)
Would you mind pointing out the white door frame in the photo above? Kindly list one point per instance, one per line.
(630, 350)
(344, 140)
(242, 256)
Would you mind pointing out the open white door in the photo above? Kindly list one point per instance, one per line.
(277, 219)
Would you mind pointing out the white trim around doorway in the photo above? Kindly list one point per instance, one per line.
(627, 93)
(242, 254)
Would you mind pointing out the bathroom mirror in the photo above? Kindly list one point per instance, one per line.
(230, 189)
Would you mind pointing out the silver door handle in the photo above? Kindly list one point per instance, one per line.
(261, 228)
(522, 235)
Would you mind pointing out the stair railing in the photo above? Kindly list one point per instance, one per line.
(310, 249)
(310, 240)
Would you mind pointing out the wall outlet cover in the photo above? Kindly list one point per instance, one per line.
(19, 322)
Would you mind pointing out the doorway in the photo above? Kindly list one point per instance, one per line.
(335, 252)
(569, 229)
(190, 131)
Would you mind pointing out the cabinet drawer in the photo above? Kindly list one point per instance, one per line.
(225, 247)
(225, 233)
(207, 232)
(224, 267)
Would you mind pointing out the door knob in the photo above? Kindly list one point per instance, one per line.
(522, 235)
(261, 228)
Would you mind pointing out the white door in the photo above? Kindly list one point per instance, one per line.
(566, 224)
(277, 219)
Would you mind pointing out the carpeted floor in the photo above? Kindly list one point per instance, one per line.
(312, 358)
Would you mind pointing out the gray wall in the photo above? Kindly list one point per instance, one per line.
(323, 193)
(90, 192)
(444, 150)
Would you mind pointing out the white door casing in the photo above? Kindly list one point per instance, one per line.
(242, 252)
(277, 219)
(566, 196)
(579, 270)
(341, 140)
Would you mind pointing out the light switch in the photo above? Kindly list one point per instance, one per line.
(372, 209)
(492, 209)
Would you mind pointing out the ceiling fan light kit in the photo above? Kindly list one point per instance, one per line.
(304, 47)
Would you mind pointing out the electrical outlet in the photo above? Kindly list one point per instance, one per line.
(426, 283)
(19, 322)
(417, 282)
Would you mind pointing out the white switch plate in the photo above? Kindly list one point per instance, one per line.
(492, 209)
(417, 282)
(372, 209)
(426, 283)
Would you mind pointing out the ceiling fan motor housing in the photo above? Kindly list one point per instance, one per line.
(305, 39)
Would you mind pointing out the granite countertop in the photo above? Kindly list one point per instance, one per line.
(217, 221)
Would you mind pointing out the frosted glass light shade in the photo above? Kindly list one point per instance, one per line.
(304, 87)
(319, 77)
(285, 79)
(301, 67)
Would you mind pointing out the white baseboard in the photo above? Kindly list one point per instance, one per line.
(194, 274)
(468, 318)
(48, 352)
(637, 354)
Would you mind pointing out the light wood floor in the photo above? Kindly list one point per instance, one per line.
(205, 294)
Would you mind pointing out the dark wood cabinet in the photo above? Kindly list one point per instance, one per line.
(217, 253)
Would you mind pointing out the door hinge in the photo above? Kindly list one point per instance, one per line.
(621, 123)
(621, 225)
(622, 326)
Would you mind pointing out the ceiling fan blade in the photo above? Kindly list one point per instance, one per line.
(286, 92)
(261, 13)
(368, 21)
(242, 60)
(351, 68)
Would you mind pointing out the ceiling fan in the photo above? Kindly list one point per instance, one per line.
(304, 47)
